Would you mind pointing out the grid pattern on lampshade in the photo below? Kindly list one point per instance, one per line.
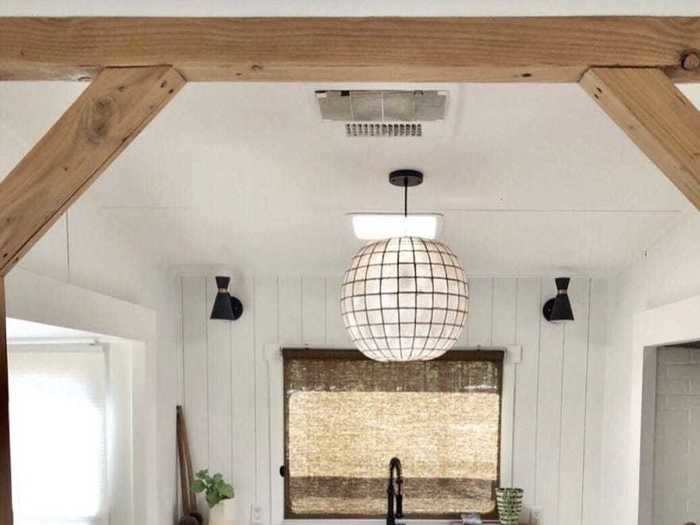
(404, 299)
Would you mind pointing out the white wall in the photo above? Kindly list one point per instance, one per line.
(128, 328)
(667, 273)
(34, 297)
(120, 431)
(677, 436)
(224, 385)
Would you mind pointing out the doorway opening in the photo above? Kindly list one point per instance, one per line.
(72, 419)
(676, 475)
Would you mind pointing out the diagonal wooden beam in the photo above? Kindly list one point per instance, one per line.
(494, 49)
(104, 119)
(84, 141)
(656, 116)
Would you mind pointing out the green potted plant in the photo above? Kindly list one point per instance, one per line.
(219, 495)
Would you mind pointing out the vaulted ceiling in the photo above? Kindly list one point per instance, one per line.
(531, 178)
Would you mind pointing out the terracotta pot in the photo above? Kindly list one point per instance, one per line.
(222, 513)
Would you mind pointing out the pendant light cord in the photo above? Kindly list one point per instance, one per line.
(405, 197)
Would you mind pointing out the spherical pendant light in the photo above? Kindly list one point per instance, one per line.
(404, 299)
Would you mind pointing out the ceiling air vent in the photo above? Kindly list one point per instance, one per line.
(390, 129)
(383, 113)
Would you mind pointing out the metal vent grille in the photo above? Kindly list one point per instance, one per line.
(384, 129)
(382, 106)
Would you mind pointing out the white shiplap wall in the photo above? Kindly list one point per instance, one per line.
(556, 437)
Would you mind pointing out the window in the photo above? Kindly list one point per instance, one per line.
(346, 416)
(57, 423)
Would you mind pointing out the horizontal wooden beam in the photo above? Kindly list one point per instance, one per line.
(654, 113)
(557, 49)
(82, 143)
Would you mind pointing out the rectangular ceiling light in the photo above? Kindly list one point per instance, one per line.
(375, 226)
(383, 106)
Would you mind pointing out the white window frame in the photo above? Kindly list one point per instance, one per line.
(40, 299)
(80, 345)
(512, 356)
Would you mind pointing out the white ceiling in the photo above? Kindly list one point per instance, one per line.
(19, 330)
(532, 179)
(348, 8)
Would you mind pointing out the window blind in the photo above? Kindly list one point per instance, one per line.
(346, 416)
(57, 422)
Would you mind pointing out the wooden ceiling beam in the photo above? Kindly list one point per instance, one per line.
(555, 49)
(654, 113)
(104, 119)
(94, 130)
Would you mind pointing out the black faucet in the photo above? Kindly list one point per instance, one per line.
(394, 492)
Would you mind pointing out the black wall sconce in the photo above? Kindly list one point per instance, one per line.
(226, 307)
(558, 308)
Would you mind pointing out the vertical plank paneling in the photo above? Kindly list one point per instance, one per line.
(503, 330)
(290, 334)
(243, 440)
(276, 388)
(529, 304)
(313, 307)
(549, 413)
(194, 342)
(220, 393)
(180, 343)
(504, 315)
(557, 408)
(593, 439)
(480, 311)
(573, 409)
(289, 311)
(336, 335)
(266, 333)
(180, 380)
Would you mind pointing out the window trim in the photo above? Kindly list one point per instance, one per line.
(494, 356)
(275, 401)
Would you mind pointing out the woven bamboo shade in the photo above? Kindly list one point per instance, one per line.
(346, 416)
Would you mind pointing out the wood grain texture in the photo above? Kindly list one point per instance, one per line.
(453, 49)
(5, 475)
(94, 130)
(656, 116)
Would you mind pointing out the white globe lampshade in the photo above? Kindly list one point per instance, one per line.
(404, 299)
